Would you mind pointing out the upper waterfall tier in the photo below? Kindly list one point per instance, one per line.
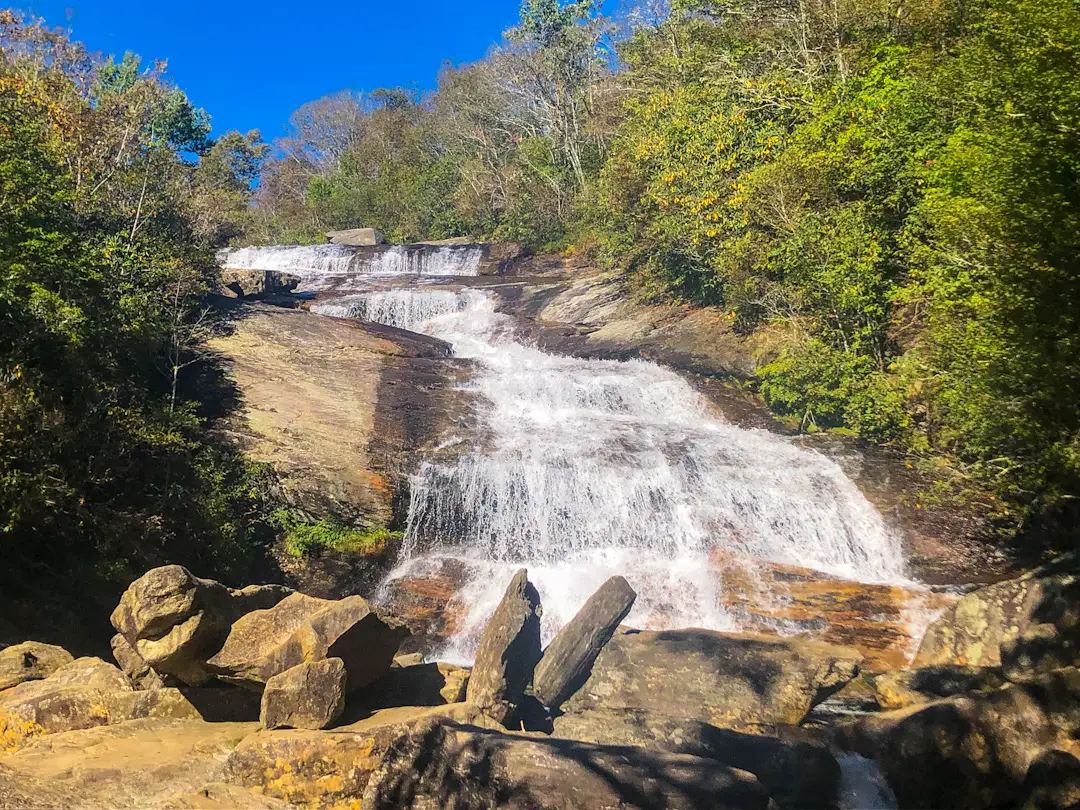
(315, 262)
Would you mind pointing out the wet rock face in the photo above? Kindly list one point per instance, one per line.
(1027, 626)
(444, 765)
(255, 283)
(567, 661)
(975, 750)
(301, 629)
(508, 652)
(797, 775)
(310, 695)
(724, 679)
(30, 661)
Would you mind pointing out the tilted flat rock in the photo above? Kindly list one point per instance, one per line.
(1027, 626)
(138, 764)
(724, 679)
(30, 661)
(320, 770)
(972, 751)
(796, 774)
(508, 652)
(448, 765)
(310, 695)
(569, 657)
(300, 629)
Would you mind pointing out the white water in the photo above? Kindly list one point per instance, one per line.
(404, 309)
(591, 468)
(313, 263)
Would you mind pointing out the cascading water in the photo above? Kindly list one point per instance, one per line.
(317, 264)
(406, 309)
(590, 468)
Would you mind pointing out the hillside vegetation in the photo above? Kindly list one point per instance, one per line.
(112, 194)
(891, 189)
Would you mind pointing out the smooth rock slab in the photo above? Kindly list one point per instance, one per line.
(508, 652)
(300, 629)
(137, 765)
(568, 660)
(796, 774)
(310, 695)
(320, 770)
(895, 690)
(30, 661)
(724, 679)
(448, 765)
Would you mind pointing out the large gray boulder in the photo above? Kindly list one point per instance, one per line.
(257, 283)
(174, 620)
(568, 660)
(976, 750)
(796, 774)
(724, 679)
(301, 629)
(1028, 625)
(310, 695)
(30, 661)
(448, 765)
(133, 664)
(508, 652)
(361, 237)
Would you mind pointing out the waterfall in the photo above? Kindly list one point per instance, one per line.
(406, 309)
(313, 262)
(590, 468)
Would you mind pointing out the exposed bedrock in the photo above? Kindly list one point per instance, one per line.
(340, 410)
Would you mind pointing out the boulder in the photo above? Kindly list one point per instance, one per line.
(894, 690)
(508, 652)
(1027, 626)
(310, 695)
(173, 620)
(448, 765)
(300, 629)
(139, 764)
(75, 696)
(971, 751)
(361, 237)
(796, 774)
(1052, 782)
(408, 660)
(568, 660)
(133, 664)
(724, 679)
(328, 769)
(30, 661)
(86, 693)
(257, 283)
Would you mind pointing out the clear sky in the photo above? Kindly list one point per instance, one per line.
(250, 64)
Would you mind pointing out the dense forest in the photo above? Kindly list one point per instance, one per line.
(112, 195)
(885, 193)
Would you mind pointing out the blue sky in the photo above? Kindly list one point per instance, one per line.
(250, 64)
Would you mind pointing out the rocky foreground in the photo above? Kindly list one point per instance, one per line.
(263, 697)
